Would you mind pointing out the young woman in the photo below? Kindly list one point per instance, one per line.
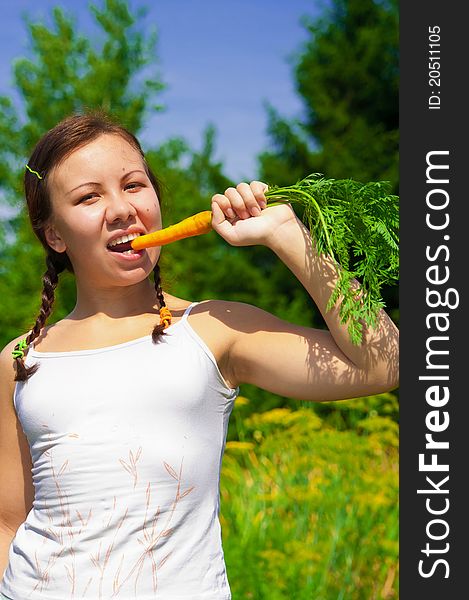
(113, 420)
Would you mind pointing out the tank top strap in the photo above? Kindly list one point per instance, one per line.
(188, 310)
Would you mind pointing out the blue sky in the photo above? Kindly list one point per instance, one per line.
(221, 60)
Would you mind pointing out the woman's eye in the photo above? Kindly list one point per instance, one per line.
(87, 197)
(132, 184)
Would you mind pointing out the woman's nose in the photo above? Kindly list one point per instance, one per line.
(119, 208)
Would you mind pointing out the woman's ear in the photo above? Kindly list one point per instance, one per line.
(53, 239)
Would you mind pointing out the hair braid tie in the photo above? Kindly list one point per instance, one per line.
(20, 347)
(165, 317)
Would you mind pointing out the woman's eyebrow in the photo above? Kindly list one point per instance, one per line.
(132, 172)
(82, 185)
(95, 183)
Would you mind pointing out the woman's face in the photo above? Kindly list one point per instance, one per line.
(99, 192)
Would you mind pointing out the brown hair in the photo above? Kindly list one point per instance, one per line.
(53, 148)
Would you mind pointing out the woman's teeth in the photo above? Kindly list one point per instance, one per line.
(123, 239)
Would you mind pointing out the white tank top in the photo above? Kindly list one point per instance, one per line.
(126, 444)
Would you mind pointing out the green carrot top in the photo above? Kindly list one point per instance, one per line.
(357, 225)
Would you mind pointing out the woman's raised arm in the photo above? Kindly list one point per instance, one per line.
(287, 359)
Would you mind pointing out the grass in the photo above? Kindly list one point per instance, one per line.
(310, 512)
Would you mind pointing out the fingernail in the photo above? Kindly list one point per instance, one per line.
(230, 213)
(262, 203)
(255, 211)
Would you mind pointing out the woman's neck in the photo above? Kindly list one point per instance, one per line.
(115, 303)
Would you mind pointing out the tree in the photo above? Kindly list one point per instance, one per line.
(66, 75)
(347, 77)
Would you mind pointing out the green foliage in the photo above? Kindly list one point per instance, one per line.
(357, 226)
(347, 77)
(315, 509)
(69, 74)
(66, 75)
(351, 414)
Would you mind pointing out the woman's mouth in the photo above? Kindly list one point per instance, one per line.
(124, 248)
(122, 245)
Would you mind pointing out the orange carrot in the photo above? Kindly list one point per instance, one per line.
(195, 225)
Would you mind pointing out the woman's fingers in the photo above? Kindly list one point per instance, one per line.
(250, 202)
(225, 205)
(244, 201)
(258, 188)
(217, 210)
(237, 202)
(220, 223)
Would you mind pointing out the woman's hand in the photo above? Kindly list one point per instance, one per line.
(241, 218)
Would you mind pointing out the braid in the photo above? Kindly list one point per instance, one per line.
(50, 280)
(165, 315)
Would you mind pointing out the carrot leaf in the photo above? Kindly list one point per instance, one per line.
(357, 225)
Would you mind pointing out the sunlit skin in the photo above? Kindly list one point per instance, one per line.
(84, 219)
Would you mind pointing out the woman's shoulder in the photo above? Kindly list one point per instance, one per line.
(229, 319)
(233, 314)
(7, 362)
(214, 312)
